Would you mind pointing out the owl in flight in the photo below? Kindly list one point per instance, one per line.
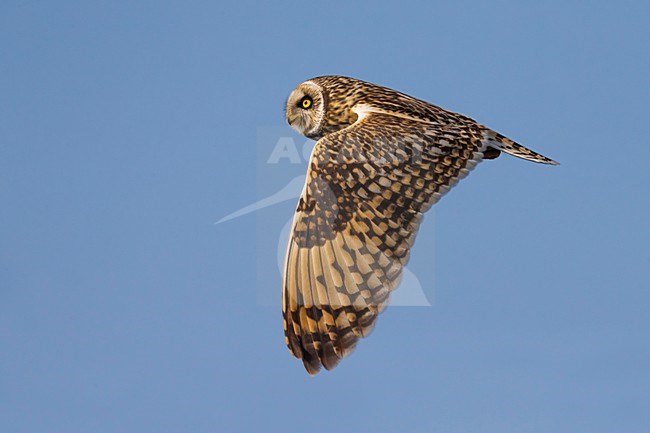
(382, 159)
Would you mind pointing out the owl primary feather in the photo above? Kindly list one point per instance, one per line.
(382, 159)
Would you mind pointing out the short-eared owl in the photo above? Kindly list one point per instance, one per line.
(382, 160)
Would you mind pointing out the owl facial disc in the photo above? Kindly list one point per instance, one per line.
(305, 108)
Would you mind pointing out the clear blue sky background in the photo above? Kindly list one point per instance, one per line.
(128, 128)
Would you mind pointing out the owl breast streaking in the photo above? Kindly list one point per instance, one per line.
(382, 159)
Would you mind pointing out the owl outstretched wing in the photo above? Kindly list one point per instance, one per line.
(367, 188)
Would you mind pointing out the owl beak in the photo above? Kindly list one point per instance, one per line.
(291, 119)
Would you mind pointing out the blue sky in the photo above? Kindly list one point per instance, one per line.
(128, 128)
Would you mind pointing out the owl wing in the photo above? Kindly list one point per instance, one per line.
(367, 187)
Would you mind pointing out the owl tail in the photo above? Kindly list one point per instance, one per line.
(499, 142)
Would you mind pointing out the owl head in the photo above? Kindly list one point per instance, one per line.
(306, 108)
(324, 105)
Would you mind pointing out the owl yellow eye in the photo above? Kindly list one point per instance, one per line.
(306, 102)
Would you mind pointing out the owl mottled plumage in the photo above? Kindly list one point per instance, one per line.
(382, 159)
